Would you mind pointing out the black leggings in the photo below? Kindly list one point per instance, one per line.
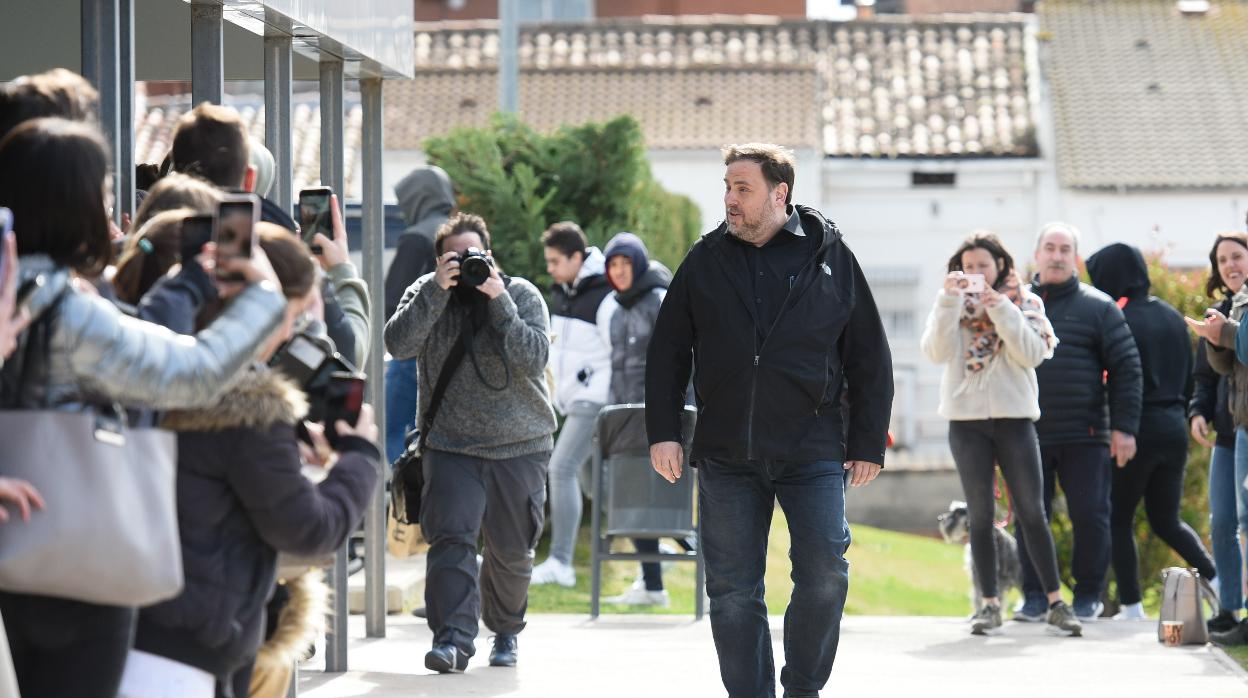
(1156, 476)
(978, 447)
(67, 649)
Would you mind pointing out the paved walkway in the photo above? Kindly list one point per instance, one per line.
(566, 655)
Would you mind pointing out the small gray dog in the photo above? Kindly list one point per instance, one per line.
(954, 527)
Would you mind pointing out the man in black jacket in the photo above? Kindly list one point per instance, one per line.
(1095, 362)
(794, 388)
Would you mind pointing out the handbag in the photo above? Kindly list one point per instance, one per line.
(1183, 597)
(407, 483)
(109, 531)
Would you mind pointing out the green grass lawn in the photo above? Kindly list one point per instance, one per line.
(890, 574)
(1239, 654)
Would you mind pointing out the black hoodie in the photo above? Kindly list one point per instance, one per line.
(817, 386)
(427, 199)
(1160, 333)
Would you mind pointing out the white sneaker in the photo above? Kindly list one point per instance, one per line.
(1133, 611)
(638, 595)
(553, 572)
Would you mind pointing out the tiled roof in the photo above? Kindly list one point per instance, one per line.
(1146, 97)
(154, 133)
(943, 86)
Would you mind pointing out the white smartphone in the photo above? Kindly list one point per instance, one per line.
(972, 283)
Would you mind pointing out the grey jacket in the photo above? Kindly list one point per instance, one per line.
(510, 349)
(625, 321)
(88, 351)
(1222, 360)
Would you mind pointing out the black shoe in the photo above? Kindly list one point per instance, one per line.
(419, 612)
(1221, 623)
(504, 652)
(446, 659)
(1234, 637)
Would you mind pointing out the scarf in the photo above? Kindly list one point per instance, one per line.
(982, 351)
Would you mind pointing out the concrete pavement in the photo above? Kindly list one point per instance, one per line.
(569, 655)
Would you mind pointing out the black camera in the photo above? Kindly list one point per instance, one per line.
(311, 362)
(474, 267)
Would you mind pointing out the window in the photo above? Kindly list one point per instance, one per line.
(894, 289)
(933, 179)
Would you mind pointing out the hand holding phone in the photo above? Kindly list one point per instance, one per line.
(972, 283)
(344, 403)
(314, 215)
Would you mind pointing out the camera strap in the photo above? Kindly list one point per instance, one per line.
(453, 360)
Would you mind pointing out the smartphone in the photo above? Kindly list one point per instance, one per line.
(972, 283)
(234, 228)
(196, 232)
(315, 215)
(344, 398)
(6, 226)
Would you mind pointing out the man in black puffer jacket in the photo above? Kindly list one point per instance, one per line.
(1095, 362)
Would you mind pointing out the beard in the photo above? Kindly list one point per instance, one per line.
(758, 229)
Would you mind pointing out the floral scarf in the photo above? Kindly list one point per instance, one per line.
(980, 355)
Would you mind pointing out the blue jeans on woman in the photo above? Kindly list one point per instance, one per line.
(736, 500)
(1228, 513)
(402, 395)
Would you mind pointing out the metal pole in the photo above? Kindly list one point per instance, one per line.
(277, 79)
(100, 48)
(207, 53)
(508, 55)
(125, 109)
(332, 159)
(374, 239)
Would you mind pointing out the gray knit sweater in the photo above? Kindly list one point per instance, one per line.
(475, 420)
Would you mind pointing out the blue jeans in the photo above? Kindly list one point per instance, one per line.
(736, 500)
(402, 395)
(1228, 514)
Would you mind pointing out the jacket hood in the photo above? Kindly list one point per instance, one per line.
(299, 623)
(258, 399)
(593, 271)
(1120, 271)
(631, 246)
(656, 276)
(427, 199)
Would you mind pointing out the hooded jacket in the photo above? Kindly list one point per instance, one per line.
(579, 359)
(817, 386)
(427, 199)
(626, 319)
(242, 497)
(1093, 339)
(1161, 336)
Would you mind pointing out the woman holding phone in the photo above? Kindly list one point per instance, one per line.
(242, 498)
(81, 350)
(990, 333)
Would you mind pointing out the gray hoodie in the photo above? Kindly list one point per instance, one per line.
(427, 199)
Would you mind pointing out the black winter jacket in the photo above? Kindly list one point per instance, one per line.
(242, 497)
(818, 387)
(1093, 339)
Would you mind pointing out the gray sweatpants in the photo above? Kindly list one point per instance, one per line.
(567, 463)
(465, 497)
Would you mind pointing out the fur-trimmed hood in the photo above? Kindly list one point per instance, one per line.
(258, 399)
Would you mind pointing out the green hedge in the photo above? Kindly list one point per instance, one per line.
(595, 174)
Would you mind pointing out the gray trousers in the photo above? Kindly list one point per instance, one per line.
(466, 497)
(572, 452)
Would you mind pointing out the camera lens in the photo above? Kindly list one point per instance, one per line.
(474, 270)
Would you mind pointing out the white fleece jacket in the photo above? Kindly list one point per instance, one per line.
(1010, 389)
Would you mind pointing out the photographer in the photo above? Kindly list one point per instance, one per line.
(488, 447)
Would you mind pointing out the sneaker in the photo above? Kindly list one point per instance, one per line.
(1222, 622)
(638, 595)
(1132, 611)
(988, 618)
(1236, 636)
(1088, 610)
(504, 652)
(1062, 619)
(553, 572)
(1033, 610)
(446, 659)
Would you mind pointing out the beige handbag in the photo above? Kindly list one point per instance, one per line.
(1183, 596)
(109, 531)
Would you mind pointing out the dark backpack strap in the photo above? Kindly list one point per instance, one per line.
(453, 360)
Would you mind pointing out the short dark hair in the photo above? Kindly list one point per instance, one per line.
(52, 175)
(55, 93)
(567, 237)
(988, 241)
(1216, 284)
(459, 224)
(291, 262)
(210, 141)
(777, 163)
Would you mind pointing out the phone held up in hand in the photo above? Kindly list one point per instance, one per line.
(315, 215)
(237, 215)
